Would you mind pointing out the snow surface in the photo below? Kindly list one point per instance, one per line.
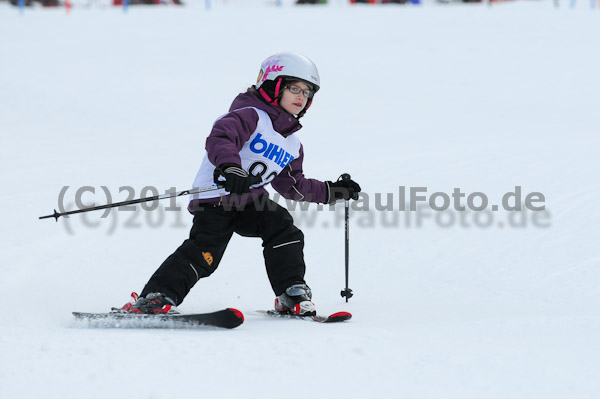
(476, 97)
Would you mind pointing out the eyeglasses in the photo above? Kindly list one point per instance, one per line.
(297, 90)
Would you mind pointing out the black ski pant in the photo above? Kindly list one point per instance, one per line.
(200, 255)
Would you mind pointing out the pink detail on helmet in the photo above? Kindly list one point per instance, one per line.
(264, 94)
(277, 87)
(272, 68)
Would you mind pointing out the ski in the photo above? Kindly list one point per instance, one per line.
(333, 318)
(226, 318)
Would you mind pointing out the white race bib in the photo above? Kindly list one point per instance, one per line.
(265, 154)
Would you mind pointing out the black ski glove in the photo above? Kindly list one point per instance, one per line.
(237, 180)
(342, 189)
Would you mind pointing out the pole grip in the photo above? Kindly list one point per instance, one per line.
(344, 177)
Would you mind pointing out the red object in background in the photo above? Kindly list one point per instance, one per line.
(135, 2)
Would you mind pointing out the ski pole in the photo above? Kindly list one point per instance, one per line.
(253, 180)
(56, 215)
(347, 292)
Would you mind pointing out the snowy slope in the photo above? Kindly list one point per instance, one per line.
(475, 97)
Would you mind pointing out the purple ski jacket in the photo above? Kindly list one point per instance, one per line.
(233, 130)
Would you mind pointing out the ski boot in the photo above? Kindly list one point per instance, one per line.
(296, 300)
(153, 303)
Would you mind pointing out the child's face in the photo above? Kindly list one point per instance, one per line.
(294, 103)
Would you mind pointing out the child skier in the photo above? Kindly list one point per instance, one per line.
(249, 147)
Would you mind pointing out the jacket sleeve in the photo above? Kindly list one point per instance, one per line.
(292, 184)
(229, 134)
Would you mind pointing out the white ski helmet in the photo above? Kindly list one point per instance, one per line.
(288, 65)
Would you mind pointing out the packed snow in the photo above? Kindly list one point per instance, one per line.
(447, 304)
